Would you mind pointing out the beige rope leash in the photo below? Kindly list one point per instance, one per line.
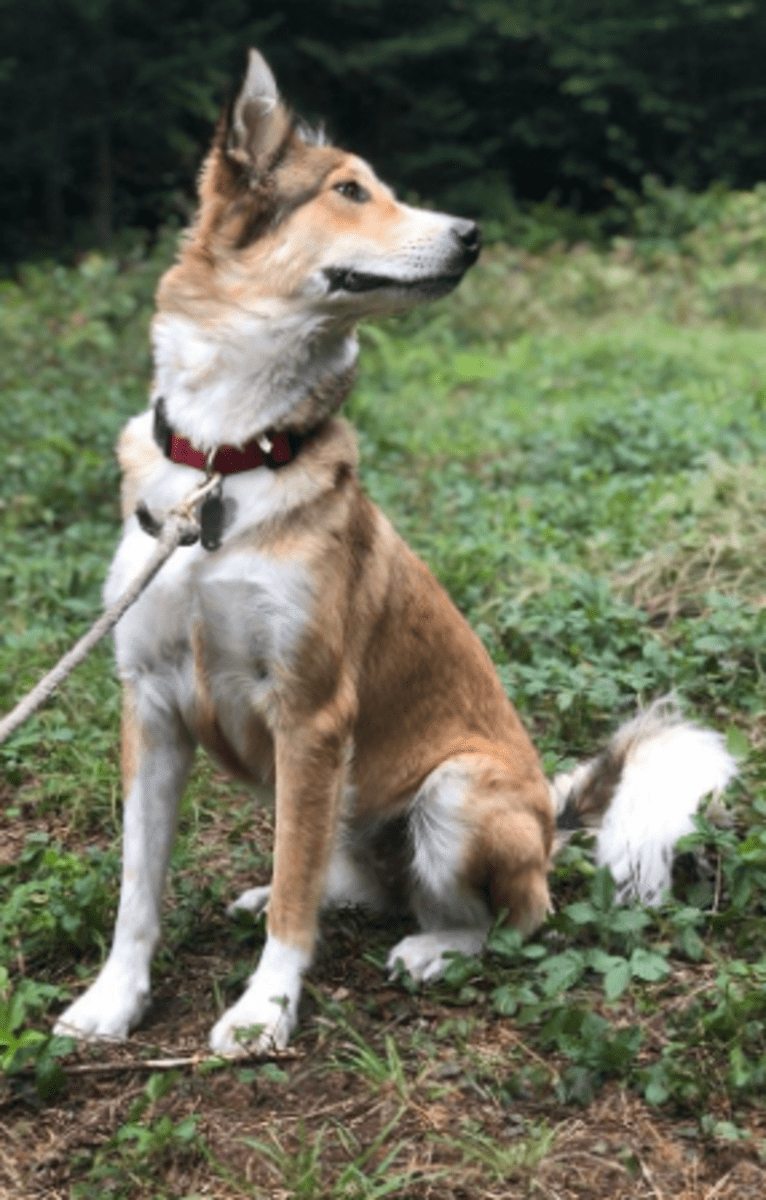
(180, 522)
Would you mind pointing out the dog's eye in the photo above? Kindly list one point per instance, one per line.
(353, 191)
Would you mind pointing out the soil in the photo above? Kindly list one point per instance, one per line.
(452, 1130)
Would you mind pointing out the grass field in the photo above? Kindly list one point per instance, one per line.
(576, 444)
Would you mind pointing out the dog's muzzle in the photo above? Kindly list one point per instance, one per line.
(467, 236)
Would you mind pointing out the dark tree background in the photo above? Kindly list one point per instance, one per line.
(106, 105)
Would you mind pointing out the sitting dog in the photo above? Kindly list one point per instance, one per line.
(301, 641)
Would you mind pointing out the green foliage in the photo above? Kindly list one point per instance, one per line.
(74, 364)
(502, 1163)
(600, 937)
(584, 651)
(488, 108)
(56, 902)
(21, 1046)
(143, 1148)
(743, 873)
(104, 131)
(85, 331)
(718, 1033)
(300, 1168)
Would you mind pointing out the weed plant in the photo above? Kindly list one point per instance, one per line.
(576, 445)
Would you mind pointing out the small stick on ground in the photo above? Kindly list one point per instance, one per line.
(172, 1064)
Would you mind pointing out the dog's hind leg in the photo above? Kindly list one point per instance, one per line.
(254, 900)
(311, 759)
(156, 755)
(479, 846)
(349, 884)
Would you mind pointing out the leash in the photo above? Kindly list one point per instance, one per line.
(180, 526)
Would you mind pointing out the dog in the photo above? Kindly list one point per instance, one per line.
(301, 641)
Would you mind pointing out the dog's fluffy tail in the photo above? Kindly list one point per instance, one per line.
(639, 796)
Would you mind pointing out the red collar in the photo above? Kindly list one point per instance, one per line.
(273, 450)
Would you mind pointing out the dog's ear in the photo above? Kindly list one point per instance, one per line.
(259, 125)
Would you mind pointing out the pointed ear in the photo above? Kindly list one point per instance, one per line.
(259, 123)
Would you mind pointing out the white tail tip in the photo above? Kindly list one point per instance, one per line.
(669, 767)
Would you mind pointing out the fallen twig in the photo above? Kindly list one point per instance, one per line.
(190, 1062)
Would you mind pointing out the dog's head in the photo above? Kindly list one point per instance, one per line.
(287, 223)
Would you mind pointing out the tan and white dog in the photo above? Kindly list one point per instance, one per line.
(303, 644)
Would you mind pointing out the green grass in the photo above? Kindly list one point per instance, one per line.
(576, 444)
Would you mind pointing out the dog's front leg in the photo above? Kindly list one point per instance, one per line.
(157, 754)
(310, 775)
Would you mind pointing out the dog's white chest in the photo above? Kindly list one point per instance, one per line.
(222, 627)
(252, 611)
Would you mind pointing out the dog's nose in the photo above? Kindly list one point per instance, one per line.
(469, 235)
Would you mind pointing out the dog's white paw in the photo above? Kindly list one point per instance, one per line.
(265, 1016)
(422, 954)
(112, 1006)
(254, 900)
(254, 1023)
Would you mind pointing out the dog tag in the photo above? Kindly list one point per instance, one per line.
(211, 520)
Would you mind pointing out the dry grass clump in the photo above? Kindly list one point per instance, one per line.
(717, 545)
